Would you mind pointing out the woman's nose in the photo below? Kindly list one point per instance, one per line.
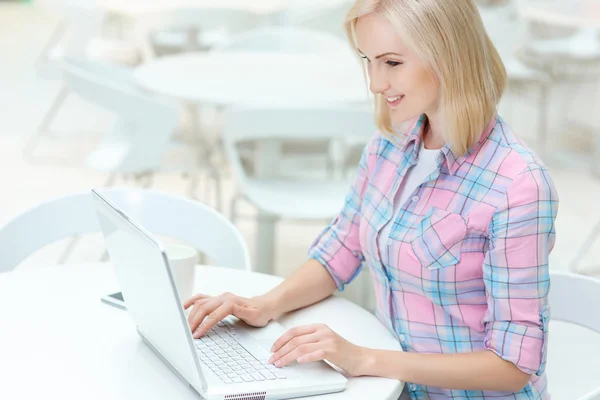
(378, 83)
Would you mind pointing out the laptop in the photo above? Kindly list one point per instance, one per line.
(230, 361)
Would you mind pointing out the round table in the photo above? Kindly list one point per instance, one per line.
(256, 78)
(571, 13)
(59, 341)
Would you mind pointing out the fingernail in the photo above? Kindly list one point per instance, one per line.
(270, 360)
(278, 363)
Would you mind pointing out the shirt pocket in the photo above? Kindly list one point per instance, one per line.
(438, 240)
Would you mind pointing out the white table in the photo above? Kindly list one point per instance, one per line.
(257, 79)
(251, 78)
(572, 13)
(58, 341)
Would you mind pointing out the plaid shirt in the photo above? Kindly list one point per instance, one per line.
(465, 267)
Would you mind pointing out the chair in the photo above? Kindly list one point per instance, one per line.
(289, 39)
(74, 36)
(507, 32)
(324, 18)
(175, 217)
(296, 40)
(573, 299)
(190, 29)
(145, 123)
(276, 197)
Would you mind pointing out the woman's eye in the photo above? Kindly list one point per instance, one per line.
(393, 63)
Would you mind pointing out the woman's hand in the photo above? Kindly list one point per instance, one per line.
(310, 343)
(209, 310)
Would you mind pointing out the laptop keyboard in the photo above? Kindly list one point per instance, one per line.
(231, 362)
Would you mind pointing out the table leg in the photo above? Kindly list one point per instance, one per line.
(266, 163)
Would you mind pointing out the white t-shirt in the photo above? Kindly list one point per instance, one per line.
(426, 164)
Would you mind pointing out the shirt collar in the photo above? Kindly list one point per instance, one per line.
(415, 137)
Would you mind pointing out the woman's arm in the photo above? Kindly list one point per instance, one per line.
(481, 370)
(309, 284)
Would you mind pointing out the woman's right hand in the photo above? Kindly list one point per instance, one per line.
(208, 310)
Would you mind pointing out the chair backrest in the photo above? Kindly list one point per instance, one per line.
(571, 298)
(145, 123)
(308, 125)
(285, 39)
(175, 217)
(194, 20)
(325, 18)
(504, 28)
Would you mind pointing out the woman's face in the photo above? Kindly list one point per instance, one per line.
(394, 71)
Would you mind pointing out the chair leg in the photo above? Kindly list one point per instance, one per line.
(44, 127)
(587, 245)
(70, 246)
(543, 120)
(265, 243)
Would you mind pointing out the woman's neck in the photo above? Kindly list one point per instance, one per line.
(432, 137)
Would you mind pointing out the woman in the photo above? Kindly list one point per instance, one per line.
(454, 218)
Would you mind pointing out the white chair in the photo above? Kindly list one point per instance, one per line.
(274, 196)
(175, 217)
(573, 299)
(288, 39)
(296, 40)
(76, 35)
(507, 32)
(321, 17)
(193, 29)
(144, 126)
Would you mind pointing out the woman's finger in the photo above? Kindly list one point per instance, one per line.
(301, 351)
(211, 319)
(292, 333)
(293, 344)
(189, 302)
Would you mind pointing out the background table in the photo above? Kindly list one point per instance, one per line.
(58, 341)
(258, 79)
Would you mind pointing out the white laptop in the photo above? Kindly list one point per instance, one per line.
(229, 362)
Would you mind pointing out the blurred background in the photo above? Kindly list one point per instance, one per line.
(172, 94)
(231, 103)
(138, 93)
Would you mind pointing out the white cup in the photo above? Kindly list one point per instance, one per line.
(183, 261)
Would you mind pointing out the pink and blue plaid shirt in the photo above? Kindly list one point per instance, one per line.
(465, 267)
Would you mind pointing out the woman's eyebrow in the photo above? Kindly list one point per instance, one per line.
(382, 55)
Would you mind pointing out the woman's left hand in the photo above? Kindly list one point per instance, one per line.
(310, 343)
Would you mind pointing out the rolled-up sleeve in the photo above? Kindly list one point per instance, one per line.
(515, 271)
(338, 247)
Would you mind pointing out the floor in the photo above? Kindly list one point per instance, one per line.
(24, 97)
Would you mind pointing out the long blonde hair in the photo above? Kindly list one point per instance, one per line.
(448, 35)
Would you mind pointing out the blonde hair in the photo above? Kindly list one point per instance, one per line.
(448, 35)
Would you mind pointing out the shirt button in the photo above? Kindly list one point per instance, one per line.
(402, 338)
(415, 199)
(412, 387)
(545, 313)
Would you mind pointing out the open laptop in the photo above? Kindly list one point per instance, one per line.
(229, 362)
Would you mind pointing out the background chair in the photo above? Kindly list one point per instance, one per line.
(508, 32)
(184, 220)
(193, 29)
(276, 196)
(144, 125)
(79, 34)
(295, 40)
(573, 299)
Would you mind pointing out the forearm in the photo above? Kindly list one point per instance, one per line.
(481, 370)
(309, 284)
